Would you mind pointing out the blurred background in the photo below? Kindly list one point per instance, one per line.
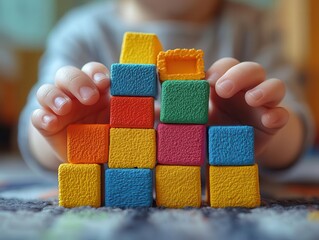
(25, 24)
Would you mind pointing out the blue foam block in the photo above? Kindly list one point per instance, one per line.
(128, 187)
(133, 80)
(231, 145)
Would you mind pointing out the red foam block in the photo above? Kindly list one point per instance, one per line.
(132, 112)
(179, 144)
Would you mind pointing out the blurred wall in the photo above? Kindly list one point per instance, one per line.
(300, 24)
(313, 61)
(293, 15)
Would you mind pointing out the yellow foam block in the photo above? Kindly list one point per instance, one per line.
(132, 148)
(79, 185)
(236, 186)
(181, 64)
(140, 48)
(178, 186)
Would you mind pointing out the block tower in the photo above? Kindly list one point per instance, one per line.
(232, 174)
(181, 135)
(80, 179)
(130, 146)
(132, 150)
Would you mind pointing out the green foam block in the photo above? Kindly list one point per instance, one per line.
(184, 101)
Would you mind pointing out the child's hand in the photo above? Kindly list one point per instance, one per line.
(78, 96)
(82, 96)
(240, 95)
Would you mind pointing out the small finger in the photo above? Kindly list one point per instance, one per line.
(275, 118)
(99, 74)
(49, 96)
(76, 83)
(45, 121)
(243, 76)
(268, 93)
(219, 68)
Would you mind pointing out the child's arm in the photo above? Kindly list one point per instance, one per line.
(78, 96)
(240, 95)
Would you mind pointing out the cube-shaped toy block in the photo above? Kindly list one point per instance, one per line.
(178, 186)
(181, 64)
(132, 112)
(181, 144)
(184, 102)
(79, 185)
(132, 148)
(88, 143)
(233, 186)
(133, 80)
(128, 188)
(141, 48)
(231, 145)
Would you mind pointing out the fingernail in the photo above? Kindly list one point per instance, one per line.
(86, 92)
(272, 118)
(59, 102)
(47, 119)
(213, 78)
(256, 94)
(226, 86)
(98, 77)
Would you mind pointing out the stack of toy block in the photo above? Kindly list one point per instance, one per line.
(181, 135)
(80, 179)
(232, 174)
(128, 144)
(132, 152)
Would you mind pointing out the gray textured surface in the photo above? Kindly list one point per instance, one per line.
(45, 220)
(35, 219)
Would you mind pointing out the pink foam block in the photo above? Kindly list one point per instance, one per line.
(179, 144)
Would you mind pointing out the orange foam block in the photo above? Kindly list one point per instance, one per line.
(178, 186)
(181, 64)
(79, 185)
(132, 112)
(233, 186)
(88, 143)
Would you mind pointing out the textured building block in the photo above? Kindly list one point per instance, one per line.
(141, 48)
(178, 186)
(87, 143)
(128, 188)
(133, 80)
(236, 186)
(231, 145)
(132, 112)
(184, 102)
(132, 148)
(79, 185)
(181, 144)
(181, 64)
